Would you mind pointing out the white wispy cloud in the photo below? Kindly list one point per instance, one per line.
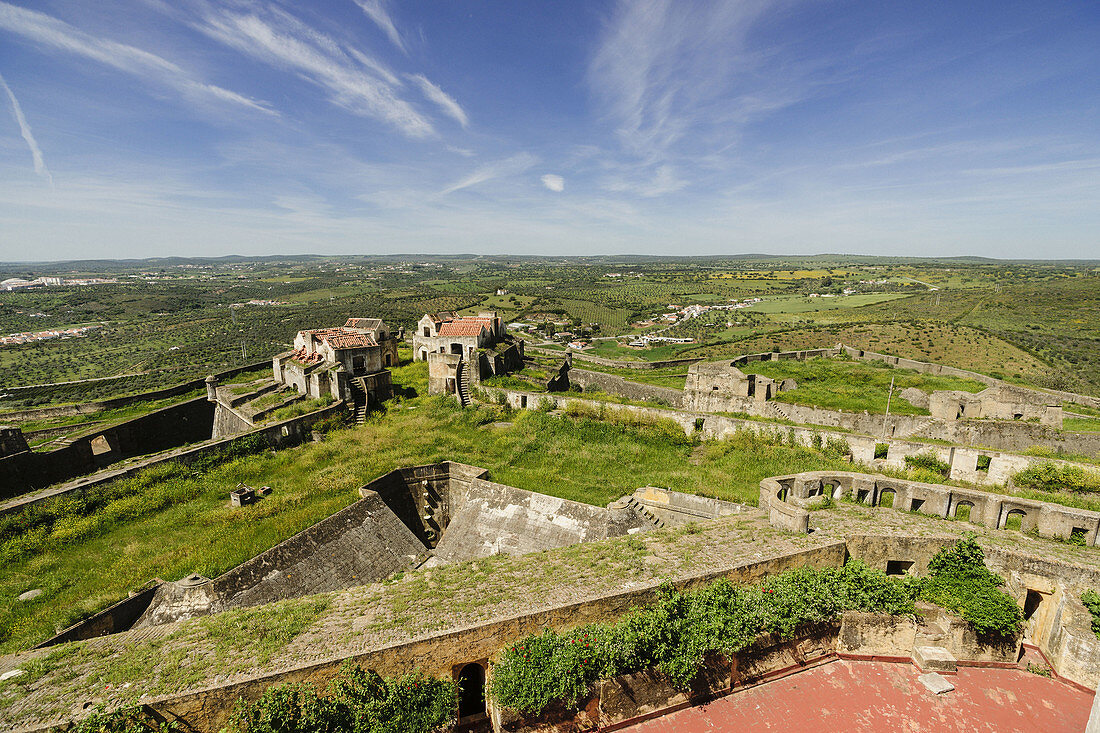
(658, 182)
(678, 80)
(51, 32)
(376, 11)
(510, 166)
(553, 182)
(355, 81)
(441, 98)
(665, 66)
(25, 130)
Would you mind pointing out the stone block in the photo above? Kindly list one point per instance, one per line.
(935, 683)
(934, 659)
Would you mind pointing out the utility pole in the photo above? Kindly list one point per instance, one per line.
(887, 415)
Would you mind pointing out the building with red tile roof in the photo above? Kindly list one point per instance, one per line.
(348, 362)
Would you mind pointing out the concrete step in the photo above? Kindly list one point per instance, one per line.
(934, 659)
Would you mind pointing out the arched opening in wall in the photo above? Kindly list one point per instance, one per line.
(1014, 520)
(471, 691)
(837, 492)
(423, 356)
(962, 511)
(782, 493)
(886, 498)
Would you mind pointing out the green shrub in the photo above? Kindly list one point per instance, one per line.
(1091, 600)
(836, 447)
(928, 462)
(1050, 476)
(959, 581)
(360, 701)
(680, 628)
(130, 719)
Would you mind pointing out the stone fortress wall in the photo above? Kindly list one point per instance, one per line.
(1048, 590)
(963, 460)
(719, 387)
(102, 445)
(1053, 627)
(419, 516)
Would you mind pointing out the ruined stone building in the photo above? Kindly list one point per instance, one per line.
(348, 363)
(1000, 402)
(722, 387)
(462, 350)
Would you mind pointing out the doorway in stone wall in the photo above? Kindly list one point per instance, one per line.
(471, 691)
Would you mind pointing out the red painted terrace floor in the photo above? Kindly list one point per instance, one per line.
(882, 696)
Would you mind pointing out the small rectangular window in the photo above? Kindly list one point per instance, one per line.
(898, 567)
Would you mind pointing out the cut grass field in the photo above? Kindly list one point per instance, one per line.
(179, 521)
(854, 386)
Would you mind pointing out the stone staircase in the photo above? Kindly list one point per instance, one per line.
(358, 390)
(777, 411)
(462, 382)
(643, 511)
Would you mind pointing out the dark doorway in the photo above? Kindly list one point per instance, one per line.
(1031, 603)
(456, 348)
(389, 359)
(471, 694)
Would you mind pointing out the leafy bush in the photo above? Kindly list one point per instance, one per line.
(928, 462)
(959, 581)
(130, 719)
(1091, 599)
(1050, 476)
(677, 632)
(360, 701)
(836, 447)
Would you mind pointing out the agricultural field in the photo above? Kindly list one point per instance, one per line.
(166, 321)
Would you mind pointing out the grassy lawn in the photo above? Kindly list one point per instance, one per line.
(179, 521)
(1080, 425)
(804, 304)
(843, 384)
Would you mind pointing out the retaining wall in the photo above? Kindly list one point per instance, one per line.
(168, 427)
(277, 435)
(42, 413)
(988, 509)
(207, 711)
(631, 390)
(583, 356)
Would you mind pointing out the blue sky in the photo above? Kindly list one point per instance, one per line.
(133, 128)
